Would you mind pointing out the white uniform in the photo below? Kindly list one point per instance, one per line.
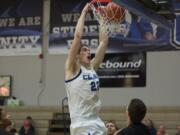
(84, 103)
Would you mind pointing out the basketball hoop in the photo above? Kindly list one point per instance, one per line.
(112, 18)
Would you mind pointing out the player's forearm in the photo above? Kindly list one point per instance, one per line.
(101, 50)
(77, 36)
(80, 25)
(71, 59)
(103, 43)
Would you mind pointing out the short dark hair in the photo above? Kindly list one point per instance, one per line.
(29, 118)
(82, 45)
(136, 110)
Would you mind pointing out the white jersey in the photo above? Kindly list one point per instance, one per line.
(83, 95)
(84, 103)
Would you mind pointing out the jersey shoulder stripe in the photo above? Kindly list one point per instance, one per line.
(66, 81)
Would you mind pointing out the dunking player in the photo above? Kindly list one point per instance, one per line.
(82, 83)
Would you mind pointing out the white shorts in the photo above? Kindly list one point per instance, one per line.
(89, 127)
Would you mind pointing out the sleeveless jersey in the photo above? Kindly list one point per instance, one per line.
(83, 95)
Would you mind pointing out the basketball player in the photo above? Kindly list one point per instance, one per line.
(82, 83)
(136, 112)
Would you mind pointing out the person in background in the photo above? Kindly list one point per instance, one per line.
(29, 118)
(148, 122)
(14, 131)
(162, 130)
(27, 128)
(111, 127)
(178, 130)
(136, 112)
(6, 126)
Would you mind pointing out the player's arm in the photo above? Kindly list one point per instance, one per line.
(71, 61)
(100, 52)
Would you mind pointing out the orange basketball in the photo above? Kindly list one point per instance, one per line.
(114, 12)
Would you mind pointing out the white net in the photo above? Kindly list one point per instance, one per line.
(111, 24)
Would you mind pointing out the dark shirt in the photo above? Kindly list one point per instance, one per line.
(135, 129)
(153, 131)
(2, 132)
(31, 131)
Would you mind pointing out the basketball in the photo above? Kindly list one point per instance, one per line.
(114, 12)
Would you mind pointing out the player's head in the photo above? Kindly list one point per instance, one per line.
(84, 54)
(136, 110)
(29, 118)
(111, 127)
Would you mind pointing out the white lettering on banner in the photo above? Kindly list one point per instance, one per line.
(92, 42)
(71, 29)
(30, 21)
(7, 22)
(20, 40)
(67, 17)
(73, 17)
(131, 64)
(64, 29)
(23, 21)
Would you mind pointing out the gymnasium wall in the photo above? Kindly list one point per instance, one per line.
(162, 89)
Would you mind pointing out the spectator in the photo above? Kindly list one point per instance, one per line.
(162, 130)
(27, 128)
(111, 127)
(178, 130)
(3, 114)
(14, 131)
(29, 118)
(136, 112)
(150, 124)
(6, 126)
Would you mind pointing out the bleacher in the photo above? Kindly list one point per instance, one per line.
(43, 116)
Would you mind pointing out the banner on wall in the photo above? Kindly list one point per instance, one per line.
(20, 27)
(123, 70)
(138, 34)
(177, 5)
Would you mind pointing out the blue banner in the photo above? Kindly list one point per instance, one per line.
(177, 5)
(140, 34)
(20, 27)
